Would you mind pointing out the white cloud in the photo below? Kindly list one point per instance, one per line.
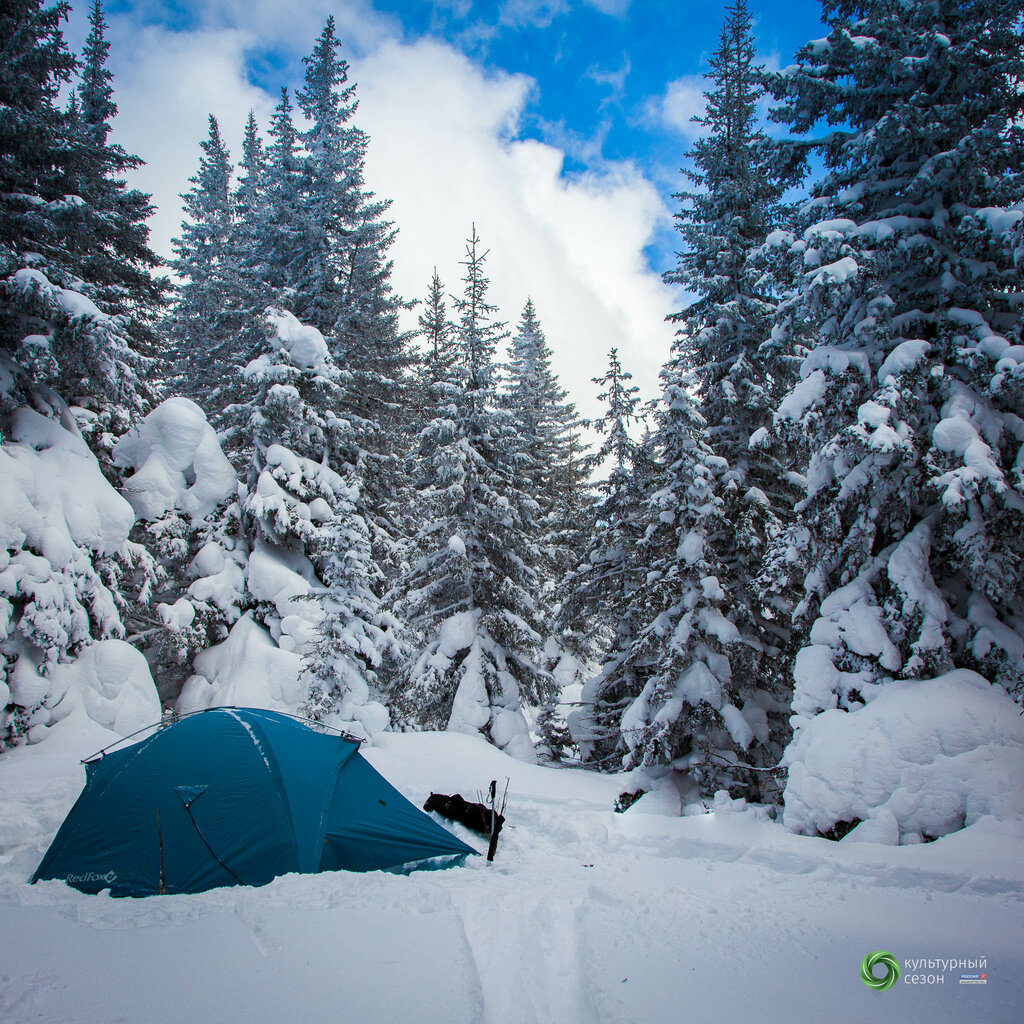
(613, 80)
(533, 13)
(445, 147)
(167, 84)
(616, 8)
(682, 101)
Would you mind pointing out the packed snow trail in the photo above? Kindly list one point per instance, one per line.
(585, 917)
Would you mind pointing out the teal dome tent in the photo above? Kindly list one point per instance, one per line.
(235, 796)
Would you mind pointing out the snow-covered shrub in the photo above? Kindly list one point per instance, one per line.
(248, 669)
(922, 759)
(176, 463)
(181, 486)
(61, 523)
(110, 683)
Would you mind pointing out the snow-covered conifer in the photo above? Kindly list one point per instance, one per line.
(77, 295)
(340, 282)
(549, 464)
(470, 597)
(353, 638)
(276, 231)
(197, 324)
(598, 597)
(724, 336)
(908, 298)
(706, 702)
(308, 568)
(435, 330)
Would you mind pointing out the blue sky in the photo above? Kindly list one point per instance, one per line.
(559, 126)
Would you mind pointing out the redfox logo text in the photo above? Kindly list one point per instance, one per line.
(92, 876)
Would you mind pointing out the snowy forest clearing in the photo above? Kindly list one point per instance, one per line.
(586, 916)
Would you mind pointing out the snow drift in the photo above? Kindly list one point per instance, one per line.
(923, 759)
(177, 462)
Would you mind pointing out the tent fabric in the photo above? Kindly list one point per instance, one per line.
(235, 796)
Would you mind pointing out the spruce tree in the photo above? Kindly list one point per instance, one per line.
(910, 534)
(691, 685)
(111, 229)
(35, 64)
(77, 296)
(738, 373)
(435, 330)
(701, 694)
(305, 521)
(469, 598)
(340, 282)
(95, 88)
(200, 325)
(245, 298)
(276, 231)
(598, 599)
(334, 154)
(550, 466)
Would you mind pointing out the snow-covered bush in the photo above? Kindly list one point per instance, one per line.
(61, 523)
(182, 488)
(924, 758)
(176, 462)
(248, 669)
(110, 683)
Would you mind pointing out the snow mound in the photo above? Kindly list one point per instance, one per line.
(924, 758)
(54, 495)
(487, 698)
(177, 462)
(109, 684)
(247, 670)
(273, 581)
(111, 681)
(220, 579)
(303, 343)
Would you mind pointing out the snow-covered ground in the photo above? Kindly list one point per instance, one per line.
(586, 916)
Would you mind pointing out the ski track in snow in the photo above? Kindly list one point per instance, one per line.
(585, 917)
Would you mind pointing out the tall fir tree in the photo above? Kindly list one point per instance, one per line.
(246, 296)
(334, 155)
(598, 598)
(95, 88)
(693, 686)
(435, 330)
(739, 374)
(200, 323)
(702, 695)
(112, 227)
(469, 599)
(74, 299)
(910, 534)
(277, 233)
(550, 467)
(305, 522)
(77, 293)
(341, 283)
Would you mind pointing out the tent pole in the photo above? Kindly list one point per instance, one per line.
(160, 840)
